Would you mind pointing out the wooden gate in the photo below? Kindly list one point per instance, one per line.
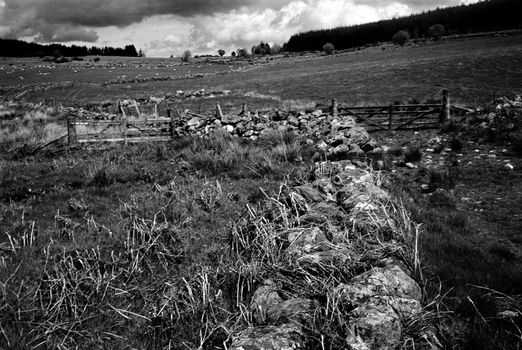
(396, 117)
(399, 117)
(87, 131)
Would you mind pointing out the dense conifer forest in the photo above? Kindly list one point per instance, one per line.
(485, 16)
(19, 48)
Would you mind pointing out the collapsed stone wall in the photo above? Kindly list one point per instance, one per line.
(336, 247)
(335, 137)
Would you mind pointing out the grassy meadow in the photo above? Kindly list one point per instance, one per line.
(473, 69)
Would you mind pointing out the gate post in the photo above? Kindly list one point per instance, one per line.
(72, 137)
(169, 115)
(445, 113)
(390, 117)
(335, 113)
(219, 112)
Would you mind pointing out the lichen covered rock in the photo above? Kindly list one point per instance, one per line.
(284, 337)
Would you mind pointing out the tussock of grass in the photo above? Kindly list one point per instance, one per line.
(239, 158)
(412, 154)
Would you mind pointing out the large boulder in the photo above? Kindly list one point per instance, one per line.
(382, 299)
(375, 325)
(378, 323)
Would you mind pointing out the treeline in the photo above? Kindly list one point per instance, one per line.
(485, 16)
(19, 48)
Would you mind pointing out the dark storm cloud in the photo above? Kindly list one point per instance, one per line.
(44, 18)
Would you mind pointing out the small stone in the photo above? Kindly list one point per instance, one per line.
(229, 128)
(283, 337)
(305, 241)
(195, 122)
(264, 299)
(77, 205)
(310, 194)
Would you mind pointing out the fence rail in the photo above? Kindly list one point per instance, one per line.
(375, 118)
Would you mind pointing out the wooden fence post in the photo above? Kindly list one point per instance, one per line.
(169, 115)
(335, 113)
(219, 112)
(445, 116)
(390, 117)
(124, 123)
(72, 137)
(137, 109)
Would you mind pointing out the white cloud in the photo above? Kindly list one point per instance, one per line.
(243, 28)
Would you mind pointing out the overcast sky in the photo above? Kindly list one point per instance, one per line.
(168, 27)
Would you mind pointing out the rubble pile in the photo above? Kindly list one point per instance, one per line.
(333, 250)
(502, 118)
(337, 138)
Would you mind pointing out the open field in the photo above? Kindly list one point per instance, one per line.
(472, 68)
(118, 246)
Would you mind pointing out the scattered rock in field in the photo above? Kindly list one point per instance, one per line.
(77, 205)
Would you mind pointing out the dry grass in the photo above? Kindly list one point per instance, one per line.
(142, 259)
(30, 128)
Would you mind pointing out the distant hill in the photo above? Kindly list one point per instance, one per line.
(20, 48)
(485, 16)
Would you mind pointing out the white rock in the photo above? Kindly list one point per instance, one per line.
(229, 128)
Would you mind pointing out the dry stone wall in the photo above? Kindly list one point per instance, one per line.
(337, 250)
